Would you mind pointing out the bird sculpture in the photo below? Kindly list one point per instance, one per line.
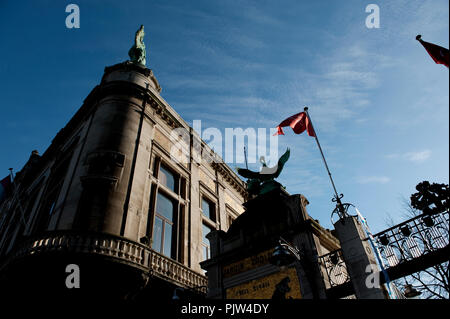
(263, 181)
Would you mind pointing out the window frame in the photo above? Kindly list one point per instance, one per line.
(53, 186)
(231, 215)
(212, 204)
(211, 223)
(178, 197)
(203, 244)
(173, 223)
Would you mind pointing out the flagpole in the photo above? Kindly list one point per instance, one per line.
(337, 198)
(245, 155)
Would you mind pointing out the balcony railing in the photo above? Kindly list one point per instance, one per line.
(110, 246)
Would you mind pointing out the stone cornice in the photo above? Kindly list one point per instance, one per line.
(231, 178)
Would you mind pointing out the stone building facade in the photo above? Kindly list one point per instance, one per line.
(126, 182)
(127, 192)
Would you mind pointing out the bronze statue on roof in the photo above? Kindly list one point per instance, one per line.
(137, 52)
(259, 183)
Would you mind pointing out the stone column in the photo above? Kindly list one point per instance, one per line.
(213, 267)
(358, 256)
(195, 250)
(137, 188)
(313, 286)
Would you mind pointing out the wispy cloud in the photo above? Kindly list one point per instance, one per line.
(342, 90)
(361, 121)
(373, 179)
(415, 157)
(418, 157)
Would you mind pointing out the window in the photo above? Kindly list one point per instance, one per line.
(230, 220)
(166, 211)
(208, 209)
(56, 180)
(163, 227)
(205, 242)
(27, 213)
(167, 178)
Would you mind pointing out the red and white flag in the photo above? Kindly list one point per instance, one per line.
(299, 123)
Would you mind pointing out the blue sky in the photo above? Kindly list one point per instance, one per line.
(379, 104)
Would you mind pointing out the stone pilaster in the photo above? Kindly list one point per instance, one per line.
(359, 258)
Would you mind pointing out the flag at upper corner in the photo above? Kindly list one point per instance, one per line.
(438, 54)
(5, 188)
(299, 123)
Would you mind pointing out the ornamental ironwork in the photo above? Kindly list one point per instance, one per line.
(413, 238)
(334, 267)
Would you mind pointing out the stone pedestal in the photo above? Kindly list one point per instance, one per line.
(240, 266)
(359, 258)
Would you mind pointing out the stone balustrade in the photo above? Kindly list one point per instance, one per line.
(115, 247)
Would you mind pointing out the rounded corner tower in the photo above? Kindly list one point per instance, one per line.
(91, 199)
(117, 151)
